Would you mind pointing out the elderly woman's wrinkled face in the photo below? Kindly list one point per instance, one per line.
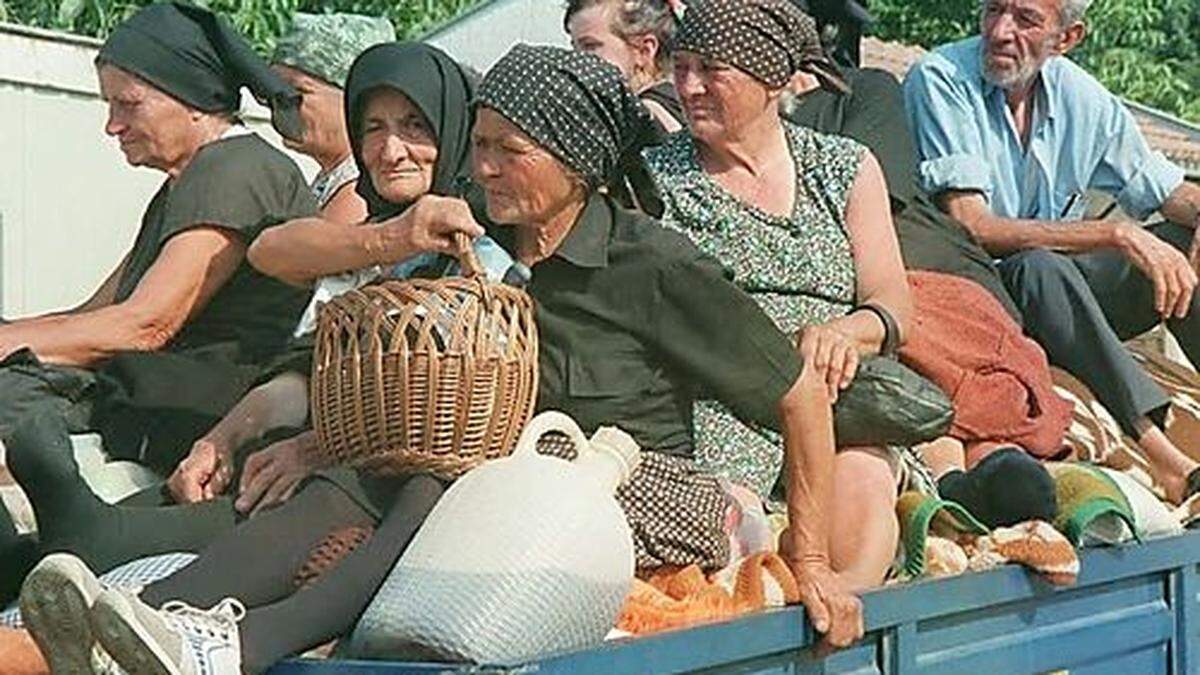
(321, 110)
(524, 183)
(153, 128)
(398, 146)
(719, 100)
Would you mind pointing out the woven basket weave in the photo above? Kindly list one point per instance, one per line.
(423, 375)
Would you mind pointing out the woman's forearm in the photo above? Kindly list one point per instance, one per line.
(307, 443)
(806, 418)
(301, 251)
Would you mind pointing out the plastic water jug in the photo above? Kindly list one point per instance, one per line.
(521, 557)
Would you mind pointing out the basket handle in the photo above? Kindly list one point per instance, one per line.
(545, 422)
(467, 258)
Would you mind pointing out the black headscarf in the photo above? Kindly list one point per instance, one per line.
(440, 89)
(768, 39)
(197, 57)
(575, 105)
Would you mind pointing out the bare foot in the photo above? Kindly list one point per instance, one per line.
(1173, 485)
(1168, 463)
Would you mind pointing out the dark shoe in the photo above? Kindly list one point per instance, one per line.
(1006, 487)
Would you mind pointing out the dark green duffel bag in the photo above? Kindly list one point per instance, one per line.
(889, 403)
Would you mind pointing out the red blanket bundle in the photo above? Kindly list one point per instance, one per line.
(998, 379)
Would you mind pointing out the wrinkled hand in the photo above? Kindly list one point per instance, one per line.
(1173, 275)
(835, 612)
(831, 353)
(203, 474)
(428, 226)
(272, 474)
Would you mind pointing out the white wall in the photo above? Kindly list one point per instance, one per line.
(70, 206)
(482, 36)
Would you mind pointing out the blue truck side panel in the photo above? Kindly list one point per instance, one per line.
(1134, 611)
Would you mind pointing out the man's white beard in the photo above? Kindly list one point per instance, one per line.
(1010, 78)
(1022, 73)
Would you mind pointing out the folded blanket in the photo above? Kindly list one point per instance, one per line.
(942, 539)
(998, 379)
(675, 597)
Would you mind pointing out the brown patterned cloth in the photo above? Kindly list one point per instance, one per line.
(1094, 435)
(675, 510)
(768, 39)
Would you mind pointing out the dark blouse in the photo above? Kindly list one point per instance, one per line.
(242, 185)
(635, 323)
(170, 397)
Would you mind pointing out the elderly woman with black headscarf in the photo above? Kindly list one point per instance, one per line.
(314, 57)
(172, 338)
(407, 110)
(803, 220)
(631, 318)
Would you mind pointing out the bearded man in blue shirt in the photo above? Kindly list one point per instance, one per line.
(1011, 135)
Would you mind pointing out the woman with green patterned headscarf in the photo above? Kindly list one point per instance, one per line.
(315, 57)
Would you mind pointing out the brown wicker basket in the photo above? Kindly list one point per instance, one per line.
(423, 375)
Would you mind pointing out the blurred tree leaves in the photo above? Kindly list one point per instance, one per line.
(261, 21)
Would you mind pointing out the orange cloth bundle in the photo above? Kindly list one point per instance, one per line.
(673, 598)
(998, 379)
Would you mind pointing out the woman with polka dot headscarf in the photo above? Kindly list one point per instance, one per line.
(802, 219)
(635, 322)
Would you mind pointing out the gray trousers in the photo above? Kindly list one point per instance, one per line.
(1080, 308)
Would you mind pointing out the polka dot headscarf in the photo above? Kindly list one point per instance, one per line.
(574, 105)
(768, 39)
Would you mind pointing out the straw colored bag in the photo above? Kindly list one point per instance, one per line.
(424, 375)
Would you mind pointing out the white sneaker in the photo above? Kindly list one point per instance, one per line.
(175, 640)
(55, 600)
(103, 664)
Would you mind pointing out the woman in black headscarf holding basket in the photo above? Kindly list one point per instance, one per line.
(408, 113)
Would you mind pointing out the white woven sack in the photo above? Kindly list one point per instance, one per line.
(522, 557)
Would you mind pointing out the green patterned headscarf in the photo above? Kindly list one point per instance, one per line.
(324, 45)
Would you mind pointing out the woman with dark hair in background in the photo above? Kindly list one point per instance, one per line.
(635, 36)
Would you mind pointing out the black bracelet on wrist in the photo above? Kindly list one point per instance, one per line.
(891, 329)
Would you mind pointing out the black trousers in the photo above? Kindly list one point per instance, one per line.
(270, 548)
(40, 407)
(1081, 307)
(30, 390)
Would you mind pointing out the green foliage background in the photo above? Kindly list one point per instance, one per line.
(1145, 50)
(259, 20)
